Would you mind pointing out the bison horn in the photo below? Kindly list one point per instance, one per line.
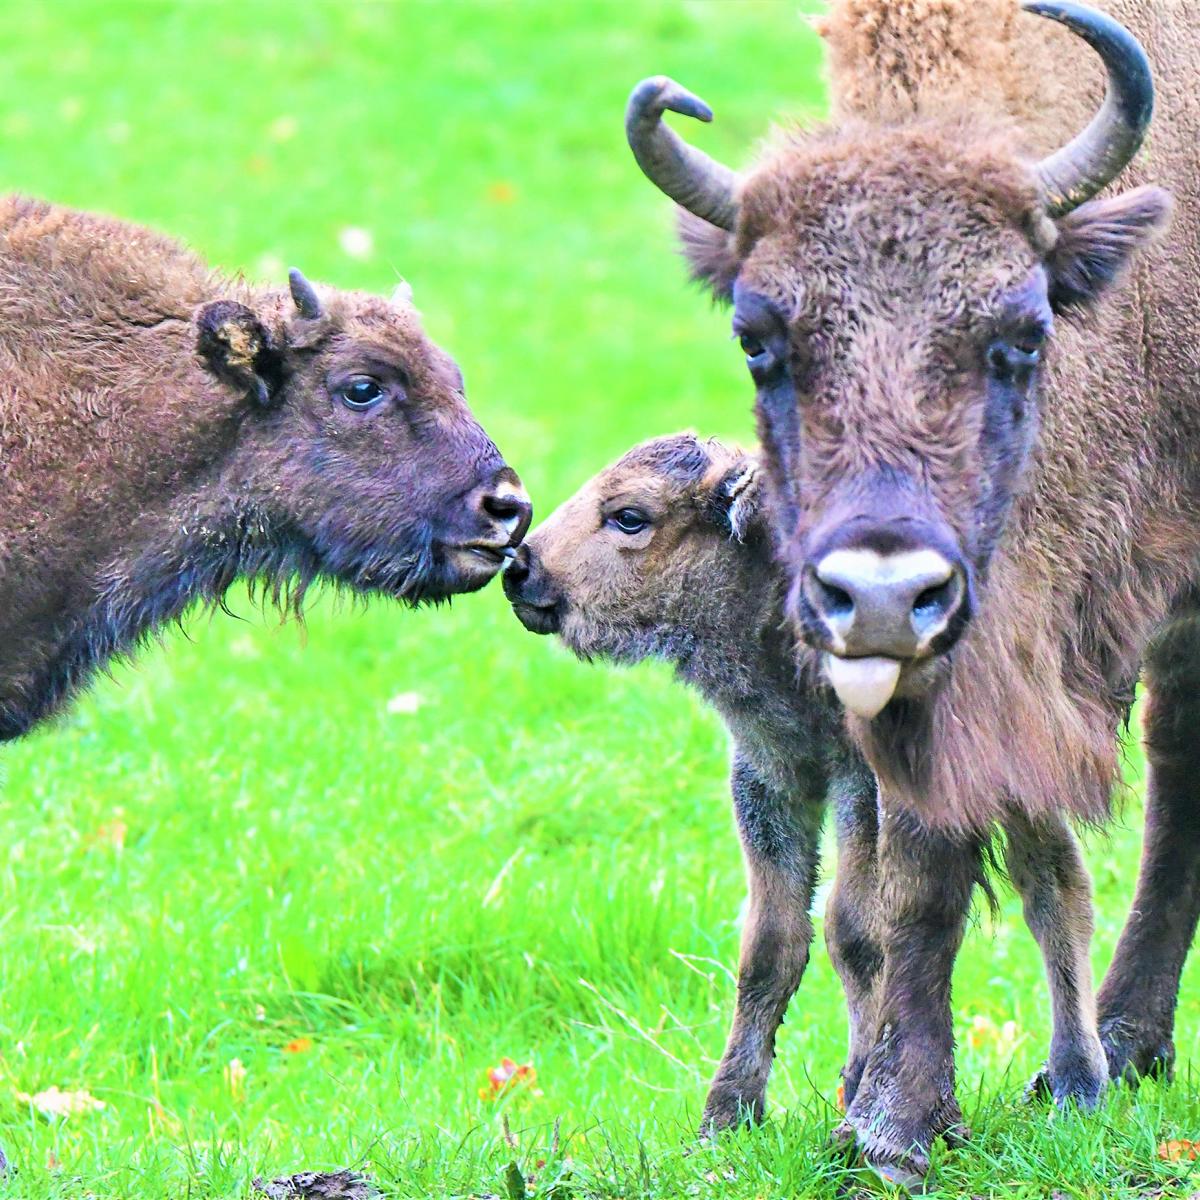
(403, 295)
(701, 185)
(1105, 148)
(308, 303)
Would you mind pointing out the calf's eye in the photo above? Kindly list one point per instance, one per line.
(629, 520)
(360, 392)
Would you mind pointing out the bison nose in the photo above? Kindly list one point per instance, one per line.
(516, 574)
(508, 504)
(893, 605)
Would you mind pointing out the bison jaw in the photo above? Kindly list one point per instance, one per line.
(865, 686)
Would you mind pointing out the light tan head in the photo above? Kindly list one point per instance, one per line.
(649, 555)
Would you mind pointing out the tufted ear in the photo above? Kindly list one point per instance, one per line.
(236, 347)
(710, 253)
(1097, 241)
(737, 498)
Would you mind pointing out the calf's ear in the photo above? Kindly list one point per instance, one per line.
(737, 498)
(236, 347)
(1097, 241)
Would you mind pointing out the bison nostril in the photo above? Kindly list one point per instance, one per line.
(834, 601)
(502, 507)
(935, 602)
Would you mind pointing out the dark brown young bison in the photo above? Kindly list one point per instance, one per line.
(165, 432)
(983, 456)
(668, 554)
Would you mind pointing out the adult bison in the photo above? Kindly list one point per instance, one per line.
(985, 460)
(165, 432)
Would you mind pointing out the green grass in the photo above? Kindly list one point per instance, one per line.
(539, 861)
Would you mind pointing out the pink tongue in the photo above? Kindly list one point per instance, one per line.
(863, 685)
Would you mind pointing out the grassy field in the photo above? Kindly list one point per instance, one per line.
(279, 899)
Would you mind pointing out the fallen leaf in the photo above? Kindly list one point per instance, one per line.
(54, 1102)
(508, 1077)
(405, 702)
(111, 833)
(1175, 1150)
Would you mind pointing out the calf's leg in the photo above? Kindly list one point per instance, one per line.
(780, 835)
(1047, 869)
(852, 917)
(906, 1095)
(1139, 993)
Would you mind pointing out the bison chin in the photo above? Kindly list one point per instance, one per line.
(421, 572)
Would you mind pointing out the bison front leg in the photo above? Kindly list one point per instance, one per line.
(1046, 867)
(1138, 997)
(852, 919)
(906, 1097)
(780, 837)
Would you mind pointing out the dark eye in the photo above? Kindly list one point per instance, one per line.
(1009, 361)
(629, 520)
(359, 393)
(751, 346)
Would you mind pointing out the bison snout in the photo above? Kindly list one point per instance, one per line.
(530, 591)
(505, 503)
(894, 605)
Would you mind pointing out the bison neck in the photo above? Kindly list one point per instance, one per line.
(748, 666)
(109, 526)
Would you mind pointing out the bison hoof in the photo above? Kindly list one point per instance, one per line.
(730, 1109)
(1134, 1052)
(1077, 1077)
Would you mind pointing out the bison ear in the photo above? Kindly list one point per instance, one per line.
(737, 498)
(711, 257)
(237, 348)
(1097, 241)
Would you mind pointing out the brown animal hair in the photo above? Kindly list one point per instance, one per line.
(165, 431)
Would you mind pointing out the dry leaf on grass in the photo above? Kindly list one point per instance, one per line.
(1178, 1149)
(508, 1077)
(54, 1102)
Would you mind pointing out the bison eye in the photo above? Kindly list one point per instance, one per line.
(629, 520)
(361, 392)
(1013, 361)
(751, 346)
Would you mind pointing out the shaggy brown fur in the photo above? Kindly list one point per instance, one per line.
(164, 431)
(874, 260)
(668, 554)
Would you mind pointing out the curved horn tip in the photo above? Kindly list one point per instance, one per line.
(304, 295)
(1080, 170)
(660, 93)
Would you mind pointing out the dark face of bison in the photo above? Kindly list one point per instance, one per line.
(646, 556)
(361, 462)
(894, 294)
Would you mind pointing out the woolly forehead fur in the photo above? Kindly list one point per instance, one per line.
(830, 210)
